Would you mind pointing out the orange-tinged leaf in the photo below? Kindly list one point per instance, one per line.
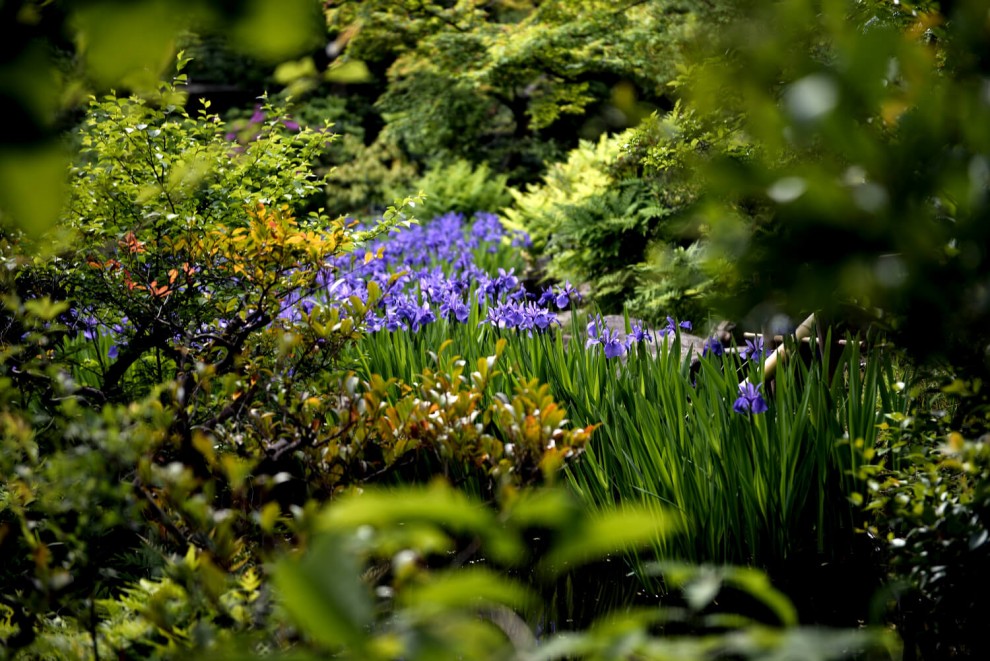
(159, 292)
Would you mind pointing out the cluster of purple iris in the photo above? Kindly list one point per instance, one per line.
(599, 334)
(430, 272)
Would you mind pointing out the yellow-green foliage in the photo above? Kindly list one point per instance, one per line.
(459, 187)
(618, 216)
(506, 82)
(539, 209)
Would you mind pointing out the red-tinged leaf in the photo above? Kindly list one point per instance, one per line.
(159, 292)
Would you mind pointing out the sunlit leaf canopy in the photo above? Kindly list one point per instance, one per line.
(52, 54)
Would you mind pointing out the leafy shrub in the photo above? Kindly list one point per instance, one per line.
(620, 219)
(931, 512)
(364, 168)
(428, 603)
(452, 422)
(421, 571)
(357, 180)
(183, 270)
(515, 84)
(537, 209)
(189, 390)
(674, 280)
(868, 183)
(459, 187)
(360, 171)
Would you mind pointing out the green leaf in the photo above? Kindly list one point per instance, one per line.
(702, 590)
(324, 595)
(701, 585)
(439, 504)
(32, 187)
(128, 42)
(550, 508)
(277, 31)
(353, 71)
(618, 531)
(467, 588)
(45, 309)
(288, 72)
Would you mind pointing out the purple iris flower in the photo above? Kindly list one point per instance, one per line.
(672, 326)
(428, 271)
(418, 316)
(513, 315)
(612, 345)
(518, 295)
(540, 318)
(713, 346)
(753, 350)
(392, 322)
(89, 326)
(500, 284)
(454, 308)
(750, 400)
(464, 263)
(595, 324)
(493, 317)
(561, 296)
(610, 342)
(372, 322)
(504, 315)
(425, 316)
(565, 295)
(640, 334)
(488, 228)
(547, 297)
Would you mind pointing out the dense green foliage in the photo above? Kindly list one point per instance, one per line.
(930, 504)
(55, 52)
(458, 187)
(513, 83)
(866, 185)
(236, 422)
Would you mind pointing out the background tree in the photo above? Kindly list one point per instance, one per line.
(515, 83)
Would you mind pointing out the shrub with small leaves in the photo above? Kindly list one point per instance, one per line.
(930, 506)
